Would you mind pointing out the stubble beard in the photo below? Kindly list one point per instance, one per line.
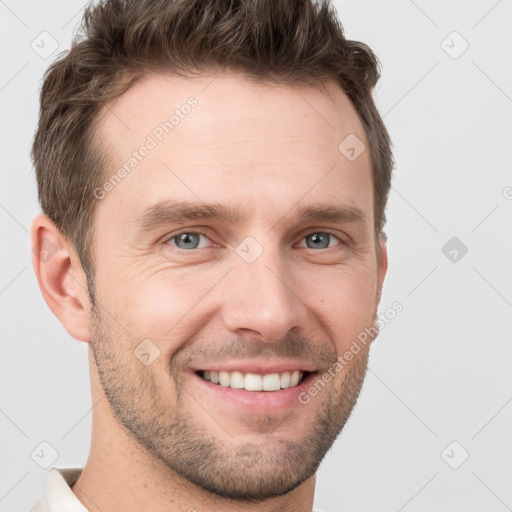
(225, 467)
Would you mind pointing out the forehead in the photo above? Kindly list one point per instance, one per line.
(229, 95)
(219, 135)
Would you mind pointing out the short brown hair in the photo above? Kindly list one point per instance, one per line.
(119, 41)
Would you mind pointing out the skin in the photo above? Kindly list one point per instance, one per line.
(266, 149)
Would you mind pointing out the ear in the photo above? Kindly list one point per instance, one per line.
(60, 276)
(382, 266)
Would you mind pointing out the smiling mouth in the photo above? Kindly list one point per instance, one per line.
(253, 381)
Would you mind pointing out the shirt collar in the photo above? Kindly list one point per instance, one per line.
(59, 496)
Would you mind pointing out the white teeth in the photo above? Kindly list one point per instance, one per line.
(237, 380)
(271, 382)
(285, 380)
(224, 379)
(253, 381)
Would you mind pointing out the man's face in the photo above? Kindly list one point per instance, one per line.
(270, 291)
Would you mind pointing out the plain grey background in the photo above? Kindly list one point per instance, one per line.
(438, 388)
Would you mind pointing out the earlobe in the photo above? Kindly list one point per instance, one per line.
(60, 276)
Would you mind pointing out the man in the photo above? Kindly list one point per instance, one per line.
(213, 177)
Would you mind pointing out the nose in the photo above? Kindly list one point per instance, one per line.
(263, 297)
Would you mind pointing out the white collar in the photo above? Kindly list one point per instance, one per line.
(59, 496)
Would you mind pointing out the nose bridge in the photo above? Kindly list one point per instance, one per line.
(261, 295)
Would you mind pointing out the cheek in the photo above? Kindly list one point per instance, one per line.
(345, 302)
(163, 304)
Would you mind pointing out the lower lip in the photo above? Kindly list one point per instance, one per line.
(257, 401)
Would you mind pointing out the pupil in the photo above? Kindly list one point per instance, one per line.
(188, 238)
(320, 240)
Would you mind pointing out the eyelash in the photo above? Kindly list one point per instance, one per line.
(175, 235)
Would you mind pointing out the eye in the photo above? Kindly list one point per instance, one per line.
(188, 240)
(320, 240)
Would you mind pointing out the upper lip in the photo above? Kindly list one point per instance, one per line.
(263, 368)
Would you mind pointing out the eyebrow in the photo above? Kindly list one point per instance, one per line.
(170, 212)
